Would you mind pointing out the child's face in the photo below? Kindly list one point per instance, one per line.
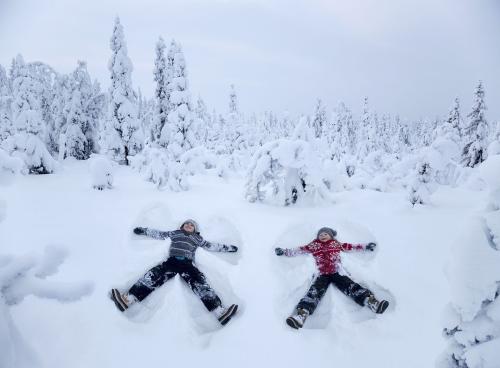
(324, 237)
(189, 227)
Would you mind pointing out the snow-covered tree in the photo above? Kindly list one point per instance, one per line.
(180, 117)
(60, 111)
(421, 186)
(233, 126)
(454, 123)
(6, 126)
(204, 121)
(319, 119)
(476, 132)
(366, 142)
(285, 172)
(73, 142)
(123, 133)
(28, 143)
(233, 101)
(162, 79)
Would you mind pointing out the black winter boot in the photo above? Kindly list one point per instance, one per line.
(376, 306)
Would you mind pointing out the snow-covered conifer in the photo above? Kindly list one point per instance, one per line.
(421, 186)
(453, 128)
(124, 136)
(180, 118)
(476, 132)
(162, 80)
(366, 133)
(204, 121)
(233, 101)
(73, 142)
(60, 111)
(28, 141)
(319, 119)
(6, 128)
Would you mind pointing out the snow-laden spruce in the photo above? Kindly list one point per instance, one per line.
(476, 132)
(180, 117)
(27, 142)
(123, 134)
(82, 111)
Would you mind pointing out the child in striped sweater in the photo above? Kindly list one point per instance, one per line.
(185, 241)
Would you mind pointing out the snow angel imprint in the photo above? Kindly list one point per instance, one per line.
(326, 252)
(180, 261)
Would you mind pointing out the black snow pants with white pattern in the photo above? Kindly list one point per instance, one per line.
(319, 286)
(160, 274)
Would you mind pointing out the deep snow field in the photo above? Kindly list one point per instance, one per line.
(172, 328)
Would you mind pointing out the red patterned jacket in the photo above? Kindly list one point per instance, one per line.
(326, 254)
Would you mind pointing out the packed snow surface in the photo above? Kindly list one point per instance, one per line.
(87, 235)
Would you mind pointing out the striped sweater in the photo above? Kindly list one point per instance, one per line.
(184, 244)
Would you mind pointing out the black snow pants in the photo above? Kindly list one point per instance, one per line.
(319, 286)
(160, 274)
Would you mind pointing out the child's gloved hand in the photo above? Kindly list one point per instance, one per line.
(140, 230)
(370, 246)
(232, 248)
(279, 251)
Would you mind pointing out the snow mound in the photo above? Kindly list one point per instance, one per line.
(473, 255)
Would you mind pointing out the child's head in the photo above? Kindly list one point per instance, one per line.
(190, 226)
(325, 234)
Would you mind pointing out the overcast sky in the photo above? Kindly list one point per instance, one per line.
(408, 57)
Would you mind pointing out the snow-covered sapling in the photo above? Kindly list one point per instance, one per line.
(102, 173)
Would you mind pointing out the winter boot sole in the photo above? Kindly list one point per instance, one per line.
(117, 298)
(228, 315)
(382, 306)
(292, 322)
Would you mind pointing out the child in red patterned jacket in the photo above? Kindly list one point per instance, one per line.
(326, 252)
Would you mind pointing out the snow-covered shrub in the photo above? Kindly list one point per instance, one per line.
(33, 152)
(473, 317)
(334, 175)
(27, 275)
(377, 165)
(102, 173)
(421, 186)
(490, 173)
(434, 166)
(13, 165)
(285, 172)
(494, 146)
(198, 160)
(158, 166)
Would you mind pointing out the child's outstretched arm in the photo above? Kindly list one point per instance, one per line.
(152, 233)
(348, 247)
(292, 252)
(217, 247)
